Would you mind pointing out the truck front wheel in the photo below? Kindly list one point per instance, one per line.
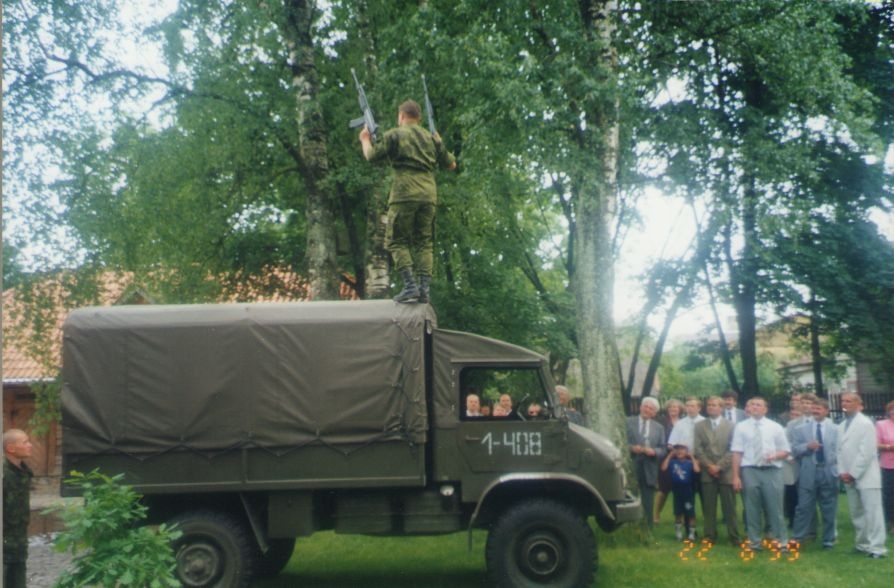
(541, 543)
(214, 551)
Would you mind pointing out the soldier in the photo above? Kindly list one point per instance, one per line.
(16, 506)
(414, 153)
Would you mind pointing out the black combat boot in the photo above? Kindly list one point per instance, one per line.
(410, 293)
(424, 282)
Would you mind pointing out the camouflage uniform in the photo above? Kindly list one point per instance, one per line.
(16, 510)
(413, 153)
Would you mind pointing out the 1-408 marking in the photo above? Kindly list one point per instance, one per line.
(519, 442)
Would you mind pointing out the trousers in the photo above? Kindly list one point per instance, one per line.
(711, 489)
(409, 236)
(869, 521)
(762, 491)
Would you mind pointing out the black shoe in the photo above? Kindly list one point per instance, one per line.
(876, 556)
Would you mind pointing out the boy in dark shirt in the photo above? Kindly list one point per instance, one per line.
(682, 468)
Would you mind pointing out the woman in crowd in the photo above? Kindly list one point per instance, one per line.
(885, 435)
(673, 410)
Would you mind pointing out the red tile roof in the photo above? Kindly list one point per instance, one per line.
(22, 350)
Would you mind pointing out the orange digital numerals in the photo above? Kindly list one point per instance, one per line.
(701, 554)
(791, 550)
(707, 546)
(688, 545)
(746, 553)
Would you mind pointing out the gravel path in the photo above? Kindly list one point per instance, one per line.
(44, 563)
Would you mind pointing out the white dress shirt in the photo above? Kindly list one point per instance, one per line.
(684, 431)
(757, 438)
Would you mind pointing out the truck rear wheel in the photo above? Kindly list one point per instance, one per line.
(541, 543)
(215, 551)
(278, 555)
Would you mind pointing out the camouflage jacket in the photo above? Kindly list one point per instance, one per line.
(16, 510)
(414, 154)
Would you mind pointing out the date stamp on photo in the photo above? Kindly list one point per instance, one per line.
(776, 551)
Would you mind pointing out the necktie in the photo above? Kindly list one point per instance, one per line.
(642, 428)
(758, 444)
(729, 415)
(820, 454)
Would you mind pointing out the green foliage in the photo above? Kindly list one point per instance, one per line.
(696, 370)
(110, 547)
(12, 268)
(782, 127)
(47, 406)
(786, 108)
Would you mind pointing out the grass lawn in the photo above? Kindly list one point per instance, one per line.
(626, 560)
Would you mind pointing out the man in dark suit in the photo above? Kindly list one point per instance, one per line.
(711, 440)
(648, 445)
(814, 445)
(731, 410)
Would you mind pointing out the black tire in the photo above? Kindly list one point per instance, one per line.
(607, 525)
(215, 551)
(278, 555)
(541, 543)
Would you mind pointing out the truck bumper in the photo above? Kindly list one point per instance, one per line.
(630, 510)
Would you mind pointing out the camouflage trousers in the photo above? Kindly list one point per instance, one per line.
(409, 236)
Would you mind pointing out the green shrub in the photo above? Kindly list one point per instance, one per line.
(109, 545)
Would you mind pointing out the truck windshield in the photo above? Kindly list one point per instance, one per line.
(500, 392)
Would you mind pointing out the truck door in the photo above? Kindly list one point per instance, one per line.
(513, 428)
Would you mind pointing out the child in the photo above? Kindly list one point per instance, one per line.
(682, 467)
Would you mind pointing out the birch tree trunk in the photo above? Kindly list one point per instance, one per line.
(322, 270)
(595, 210)
(377, 280)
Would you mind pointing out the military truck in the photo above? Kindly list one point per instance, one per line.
(249, 425)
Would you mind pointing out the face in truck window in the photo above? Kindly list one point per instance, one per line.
(511, 393)
(535, 411)
(473, 406)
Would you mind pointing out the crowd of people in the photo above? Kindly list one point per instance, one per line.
(789, 473)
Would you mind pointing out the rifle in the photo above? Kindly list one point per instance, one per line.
(429, 111)
(367, 118)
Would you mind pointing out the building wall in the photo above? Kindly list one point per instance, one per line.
(46, 455)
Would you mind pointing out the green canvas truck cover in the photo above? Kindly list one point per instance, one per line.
(145, 380)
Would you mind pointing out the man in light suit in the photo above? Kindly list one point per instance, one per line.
(859, 469)
(648, 445)
(711, 441)
(814, 445)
